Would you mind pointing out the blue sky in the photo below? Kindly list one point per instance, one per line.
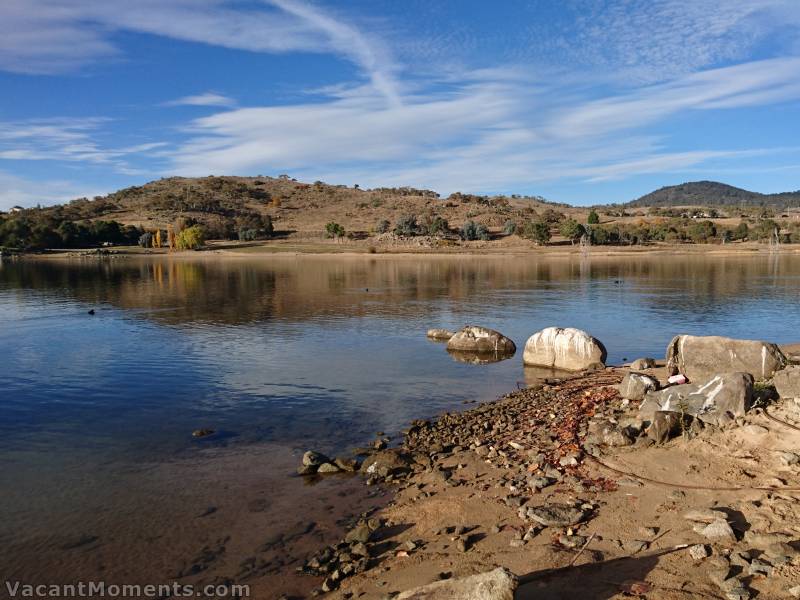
(583, 101)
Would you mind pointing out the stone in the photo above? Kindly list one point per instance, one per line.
(568, 349)
(719, 531)
(387, 462)
(480, 340)
(361, 533)
(346, 464)
(498, 584)
(665, 426)
(701, 357)
(539, 483)
(699, 551)
(314, 459)
(715, 402)
(640, 364)
(556, 515)
(704, 515)
(440, 334)
(306, 470)
(327, 467)
(572, 541)
(635, 385)
(787, 382)
(738, 593)
(201, 433)
(794, 592)
(759, 567)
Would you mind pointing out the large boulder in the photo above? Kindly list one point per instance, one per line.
(635, 385)
(787, 382)
(498, 584)
(481, 340)
(715, 401)
(564, 348)
(387, 462)
(700, 357)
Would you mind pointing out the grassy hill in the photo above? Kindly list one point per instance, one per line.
(712, 193)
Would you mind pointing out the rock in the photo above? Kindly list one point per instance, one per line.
(787, 382)
(701, 357)
(699, 552)
(327, 468)
(556, 515)
(386, 462)
(613, 435)
(314, 459)
(538, 483)
(715, 402)
(568, 349)
(635, 546)
(572, 541)
(346, 464)
(780, 552)
(480, 340)
(361, 533)
(759, 567)
(665, 425)
(201, 433)
(704, 515)
(794, 592)
(738, 592)
(719, 531)
(498, 584)
(640, 364)
(306, 470)
(635, 385)
(440, 334)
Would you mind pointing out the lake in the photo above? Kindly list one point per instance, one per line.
(102, 478)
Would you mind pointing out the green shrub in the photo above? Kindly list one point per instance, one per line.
(407, 226)
(474, 231)
(334, 230)
(382, 226)
(510, 228)
(537, 231)
(594, 218)
(571, 229)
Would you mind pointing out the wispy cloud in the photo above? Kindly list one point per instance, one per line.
(205, 99)
(15, 190)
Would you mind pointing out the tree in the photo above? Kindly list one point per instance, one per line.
(190, 238)
(146, 240)
(571, 229)
(157, 239)
(594, 218)
(407, 226)
(741, 232)
(538, 231)
(383, 226)
(510, 228)
(702, 231)
(438, 225)
(334, 230)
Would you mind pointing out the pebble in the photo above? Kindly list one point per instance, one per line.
(699, 551)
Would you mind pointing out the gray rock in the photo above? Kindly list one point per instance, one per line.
(787, 382)
(568, 349)
(640, 364)
(635, 385)
(699, 551)
(704, 515)
(701, 357)
(664, 426)
(556, 515)
(539, 483)
(572, 541)
(306, 470)
(361, 533)
(480, 340)
(719, 531)
(715, 401)
(498, 584)
(346, 464)
(314, 459)
(327, 467)
(759, 567)
(386, 462)
(738, 593)
(440, 334)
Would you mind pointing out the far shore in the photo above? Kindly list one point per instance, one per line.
(276, 248)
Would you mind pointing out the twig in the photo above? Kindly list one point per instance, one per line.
(574, 558)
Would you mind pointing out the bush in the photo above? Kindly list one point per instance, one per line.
(248, 235)
(382, 226)
(334, 230)
(741, 232)
(701, 231)
(510, 228)
(571, 229)
(438, 225)
(594, 218)
(474, 231)
(407, 226)
(190, 238)
(146, 240)
(537, 231)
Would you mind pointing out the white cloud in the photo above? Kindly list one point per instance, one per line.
(15, 190)
(205, 99)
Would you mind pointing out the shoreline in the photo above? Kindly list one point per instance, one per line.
(282, 250)
(467, 482)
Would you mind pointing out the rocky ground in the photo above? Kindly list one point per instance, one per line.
(560, 484)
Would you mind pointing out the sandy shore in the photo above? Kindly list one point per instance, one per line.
(469, 484)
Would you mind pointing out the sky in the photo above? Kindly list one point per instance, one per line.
(580, 101)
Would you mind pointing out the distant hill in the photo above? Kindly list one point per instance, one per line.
(712, 193)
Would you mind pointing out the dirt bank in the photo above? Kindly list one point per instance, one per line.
(481, 483)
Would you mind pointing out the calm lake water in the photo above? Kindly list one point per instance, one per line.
(100, 474)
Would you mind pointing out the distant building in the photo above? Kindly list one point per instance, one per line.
(15, 209)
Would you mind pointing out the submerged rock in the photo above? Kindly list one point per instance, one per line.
(715, 402)
(441, 335)
(701, 357)
(564, 348)
(498, 584)
(314, 459)
(481, 340)
(635, 385)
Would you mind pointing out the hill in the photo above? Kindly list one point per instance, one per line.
(712, 193)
